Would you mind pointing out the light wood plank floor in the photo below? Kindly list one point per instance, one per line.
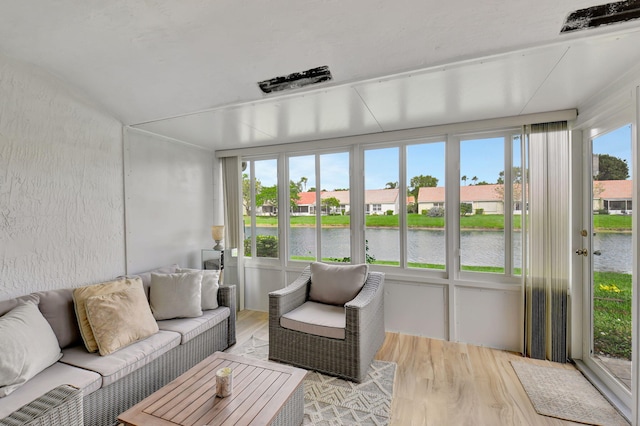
(443, 383)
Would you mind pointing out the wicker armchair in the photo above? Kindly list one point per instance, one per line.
(348, 358)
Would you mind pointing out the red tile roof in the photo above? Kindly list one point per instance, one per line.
(306, 198)
(613, 189)
(372, 196)
(467, 193)
(381, 196)
(605, 189)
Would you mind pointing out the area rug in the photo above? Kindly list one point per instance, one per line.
(330, 401)
(566, 394)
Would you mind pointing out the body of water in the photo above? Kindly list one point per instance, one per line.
(477, 248)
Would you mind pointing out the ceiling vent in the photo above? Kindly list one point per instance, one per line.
(606, 14)
(296, 80)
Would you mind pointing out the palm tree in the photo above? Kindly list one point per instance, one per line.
(464, 179)
(474, 179)
(303, 181)
(391, 185)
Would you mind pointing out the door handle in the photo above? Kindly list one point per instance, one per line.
(582, 252)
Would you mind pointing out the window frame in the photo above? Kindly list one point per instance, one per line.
(507, 276)
(317, 212)
(253, 259)
(358, 208)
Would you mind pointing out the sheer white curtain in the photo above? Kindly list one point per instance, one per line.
(231, 169)
(547, 277)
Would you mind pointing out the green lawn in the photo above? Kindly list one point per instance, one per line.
(485, 221)
(413, 220)
(611, 222)
(612, 314)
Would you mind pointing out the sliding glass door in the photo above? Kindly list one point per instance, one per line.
(608, 259)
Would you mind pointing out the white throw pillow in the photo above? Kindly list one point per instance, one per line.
(28, 346)
(210, 285)
(336, 284)
(176, 295)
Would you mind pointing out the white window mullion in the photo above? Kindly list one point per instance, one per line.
(508, 204)
(402, 204)
(318, 209)
(284, 196)
(252, 177)
(356, 199)
(452, 206)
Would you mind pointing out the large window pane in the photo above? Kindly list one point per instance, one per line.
(382, 207)
(482, 189)
(335, 231)
(426, 239)
(266, 208)
(302, 218)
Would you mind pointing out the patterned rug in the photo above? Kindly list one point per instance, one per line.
(566, 394)
(330, 401)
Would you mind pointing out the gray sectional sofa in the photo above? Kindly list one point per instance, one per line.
(85, 388)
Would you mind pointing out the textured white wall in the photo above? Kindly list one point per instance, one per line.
(61, 185)
(169, 201)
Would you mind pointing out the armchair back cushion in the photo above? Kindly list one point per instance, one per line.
(336, 284)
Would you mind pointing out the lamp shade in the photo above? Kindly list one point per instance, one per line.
(217, 232)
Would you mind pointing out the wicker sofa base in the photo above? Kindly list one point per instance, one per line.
(59, 406)
(102, 407)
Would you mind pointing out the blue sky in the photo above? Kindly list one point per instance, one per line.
(483, 158)
(616, 143)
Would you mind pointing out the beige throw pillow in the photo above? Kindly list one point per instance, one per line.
(210, 285)
(81, 294)
(27, 346)
(120, 318)
(176, 295)
(336, 284)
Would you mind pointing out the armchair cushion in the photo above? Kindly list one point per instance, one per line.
(318, 319)
(336, 284)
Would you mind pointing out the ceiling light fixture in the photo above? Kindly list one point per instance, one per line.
(605, 14)
(296, 80)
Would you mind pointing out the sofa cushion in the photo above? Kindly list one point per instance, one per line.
(118, 364)
(336, 284)
(50, 378)
(28, 346)
(210, 285)
(120, 318)
(192, 327)
(81, 294)
(57, 308)
(317, 318)
(146, 276)
(176, 295)
(7, 305)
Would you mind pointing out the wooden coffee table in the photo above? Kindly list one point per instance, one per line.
(263, 393)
